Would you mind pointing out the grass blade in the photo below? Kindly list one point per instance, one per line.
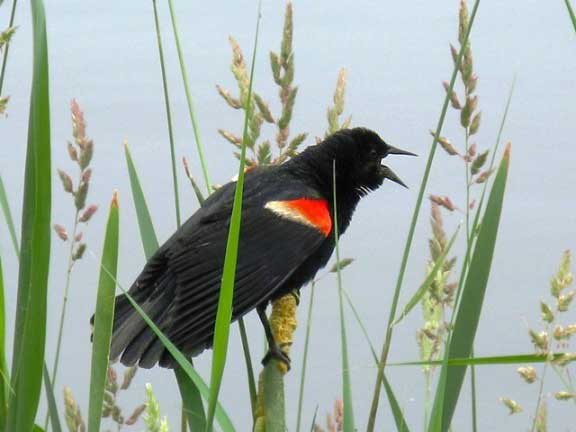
(189, 97)
(191, 399)
(220, 415)
(8, 217)
(394, 305)
(305, 358)
(52, 405)
(571, 12)
(348, 417)
(103, 317)
(494, 360)
(147, 233)
(401, 424)
(224, 312)
(470, 307)
(4, 379)
(30, 326)
(168, 112)
(429, 279)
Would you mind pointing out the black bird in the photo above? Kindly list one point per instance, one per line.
(286, 237)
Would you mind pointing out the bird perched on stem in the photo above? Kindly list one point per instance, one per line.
(286, 236)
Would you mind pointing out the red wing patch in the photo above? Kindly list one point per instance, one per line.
(307, 211)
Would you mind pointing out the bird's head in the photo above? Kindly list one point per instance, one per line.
(359, 155)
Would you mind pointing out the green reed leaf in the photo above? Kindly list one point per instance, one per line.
(30, 326)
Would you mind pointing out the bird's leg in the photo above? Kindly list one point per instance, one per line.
(274, 351)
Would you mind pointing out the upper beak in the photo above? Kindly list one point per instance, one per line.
(397, 151)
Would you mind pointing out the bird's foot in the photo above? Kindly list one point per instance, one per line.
(296, 295)
(275, 352)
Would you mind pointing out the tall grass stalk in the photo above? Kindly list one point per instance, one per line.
(30, 325)
(224, 311)
(305, 357)
(7, 46)
(570, 12)
(189, 100)
(389, 331)
(348, 419)
(168, 112)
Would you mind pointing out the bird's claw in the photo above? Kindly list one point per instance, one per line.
(275, 352)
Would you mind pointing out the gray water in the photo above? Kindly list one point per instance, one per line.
(104, 54)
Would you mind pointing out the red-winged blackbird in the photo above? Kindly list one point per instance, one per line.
(286, 237)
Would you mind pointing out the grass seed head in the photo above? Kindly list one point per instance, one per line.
(512, 405)
(528, 373)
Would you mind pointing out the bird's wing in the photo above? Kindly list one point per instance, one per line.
(279, 231)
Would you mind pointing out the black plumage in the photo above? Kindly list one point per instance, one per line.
(279, 251)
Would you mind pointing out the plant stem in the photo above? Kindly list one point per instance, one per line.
(249, 368)
(394, 306)
(7, 46)
(168, 113)
(189, 97)
(305, 358)
(63, 310)
(540, 391)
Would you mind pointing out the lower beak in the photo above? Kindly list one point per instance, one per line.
(390, 175)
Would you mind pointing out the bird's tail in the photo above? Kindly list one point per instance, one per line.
(133, 341)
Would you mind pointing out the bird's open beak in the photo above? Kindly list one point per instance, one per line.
(387, 172)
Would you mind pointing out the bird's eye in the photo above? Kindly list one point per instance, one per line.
(373, 153)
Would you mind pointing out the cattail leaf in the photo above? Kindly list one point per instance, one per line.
(438, 265)
(470, 306)
(103, 317)
(30, 321)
